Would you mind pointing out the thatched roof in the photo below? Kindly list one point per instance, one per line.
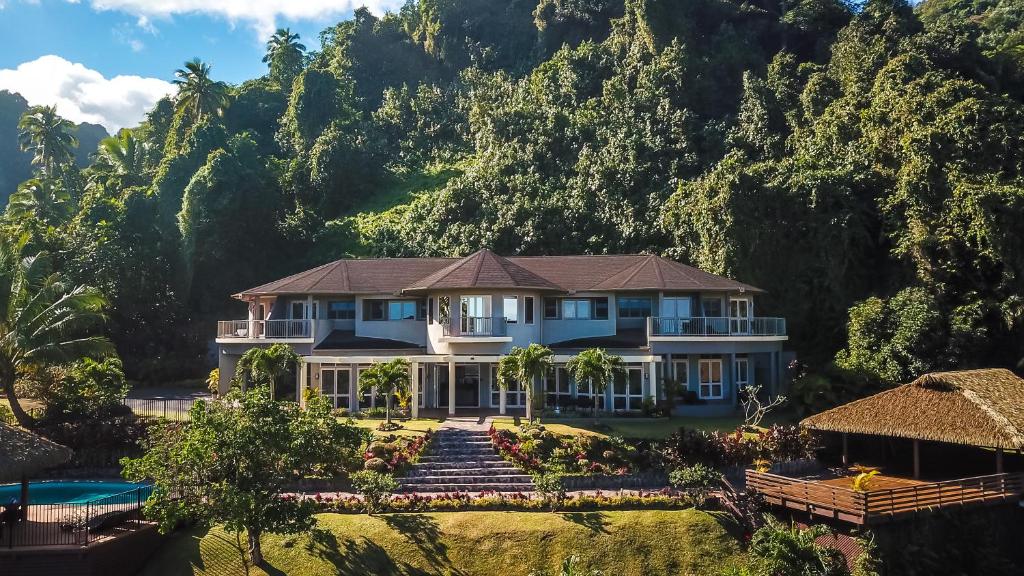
(25, 453)
(972, 407)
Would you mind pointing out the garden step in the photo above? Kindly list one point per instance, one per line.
(495, 487)
(492, 457)
(478, 479)
(433, 464)
(478, 471)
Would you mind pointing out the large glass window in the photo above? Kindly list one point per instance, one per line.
(634, 307)
(374, 310)
(676, 307)
(600, 308)
(550, 308)
(341, 310)
(711, 307)
(528, 309)
(475, 306)
(627, 390)
(515, 396)
(299, 310)
(711, 378)
(334, 384)
(556, 387)
(402, 310)
(511, 308)
(576, 309)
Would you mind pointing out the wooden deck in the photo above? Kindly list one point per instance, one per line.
(887, 498)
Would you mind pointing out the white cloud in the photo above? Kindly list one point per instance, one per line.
(262, 15)
(84, 95)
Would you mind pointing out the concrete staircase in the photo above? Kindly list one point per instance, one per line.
(460, 460)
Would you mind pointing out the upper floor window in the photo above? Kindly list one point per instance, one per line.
(298, 310)
(711, 307)
(475, 306)
(528, 309)
(634, 307)
(676, 307)
(576, 309)
(511, 308)
(341, 310)
(444, 309)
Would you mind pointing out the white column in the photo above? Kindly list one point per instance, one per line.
(415, 367)
(502, 401)
(451, 387)
(353, 387)
(654, 381)
(301, 383)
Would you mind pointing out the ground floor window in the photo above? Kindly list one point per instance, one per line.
(628, 389)
(515, 396)
(681, 374)
(711, 379)
(742, 372)
(556, 387)
(334, 384)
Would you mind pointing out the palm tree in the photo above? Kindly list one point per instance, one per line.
(42, 199)
(48, 137)
(120, 161)
(43, 320)
(284, 56)
(596, 367)
(525, 365)
(198, 94)
(387, 378)
(266, 366)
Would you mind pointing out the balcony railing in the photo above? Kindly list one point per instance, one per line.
(470, 326)
(717, 326)
(264, 329)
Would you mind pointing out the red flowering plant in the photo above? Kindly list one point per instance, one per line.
(537, 451)
(393, 454)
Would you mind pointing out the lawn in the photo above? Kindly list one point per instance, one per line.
(470, 543)
(415, 427)
(637, 427)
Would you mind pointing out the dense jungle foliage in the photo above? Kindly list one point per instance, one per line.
(864, 163)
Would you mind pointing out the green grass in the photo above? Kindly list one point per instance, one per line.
(402, 189)
(639, 427)
(622, 543)
(415, 427)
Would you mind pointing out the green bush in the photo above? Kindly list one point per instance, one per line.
(376, 489)
(779, 549)
(696, 481)
(551, 488)
(376, 464)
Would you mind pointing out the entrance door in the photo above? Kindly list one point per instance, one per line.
(628, 389)
(334, 384)
(739, 315)
(467, 385)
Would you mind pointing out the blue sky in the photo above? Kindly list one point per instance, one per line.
(107, 61)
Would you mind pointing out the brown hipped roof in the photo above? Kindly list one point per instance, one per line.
(972, 407)
(484, 269)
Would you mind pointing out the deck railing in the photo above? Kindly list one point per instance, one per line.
(265, 329)
(72, 524)
(873, 506)
(476, 326)
(716, 326)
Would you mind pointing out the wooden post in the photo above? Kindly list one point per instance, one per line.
(999, 460)
(846, 452)
(917, 460)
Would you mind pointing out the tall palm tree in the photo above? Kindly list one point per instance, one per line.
(43, 199)
(525, 365)
(596, 367)
(44, 321)
(120, 161)
(284, 56)
(198, 94)
(387, 378)
(48, 137)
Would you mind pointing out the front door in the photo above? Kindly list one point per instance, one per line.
(467, 385)
(335, 385)
(739, 315)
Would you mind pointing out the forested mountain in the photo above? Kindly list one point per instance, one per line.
(15, 164)
(862, 162)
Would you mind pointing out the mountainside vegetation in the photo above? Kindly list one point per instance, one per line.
(862, 162)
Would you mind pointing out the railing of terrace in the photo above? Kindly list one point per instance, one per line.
(265, 329)
(476, 326)
(716, 326)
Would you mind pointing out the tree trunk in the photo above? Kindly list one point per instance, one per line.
(387, 409)
(255, 551)
(596, 421)
(529, 405)
(23, 418)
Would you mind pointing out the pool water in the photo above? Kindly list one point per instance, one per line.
(69, 491)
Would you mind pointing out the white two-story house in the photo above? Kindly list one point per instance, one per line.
(454, 318)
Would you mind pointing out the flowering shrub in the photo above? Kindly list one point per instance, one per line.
(539, 451)
(504, 501)
(395, 452)
(776, 444)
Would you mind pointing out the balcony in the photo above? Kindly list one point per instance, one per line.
(475, 328)
(265, 330)
(717, 327)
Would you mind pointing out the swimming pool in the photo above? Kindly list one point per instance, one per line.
(69, 491)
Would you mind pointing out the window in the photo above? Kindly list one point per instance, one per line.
(627, 390)
(742, 372)
(421, 309)
(550, 308)
(711, 307)
(600, 308)
(710, 379)
(299, 310)
(634, 307)
(515, 396)
(475, 306)
(681, 372)
(341, 310)
(676, 307)
(444, 309)
(576, 309)
(528, 309)
(402, 310)
(556, 387)
(430, 309)
(374, 310)
(334, 384)
(511, 307)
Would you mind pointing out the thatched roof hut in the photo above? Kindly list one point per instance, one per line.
(23, 453)
(982, 408)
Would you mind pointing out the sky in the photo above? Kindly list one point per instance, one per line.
(108, 61)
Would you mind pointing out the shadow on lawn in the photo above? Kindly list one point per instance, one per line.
(424, 532)
(358, 558)
(593, 521)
